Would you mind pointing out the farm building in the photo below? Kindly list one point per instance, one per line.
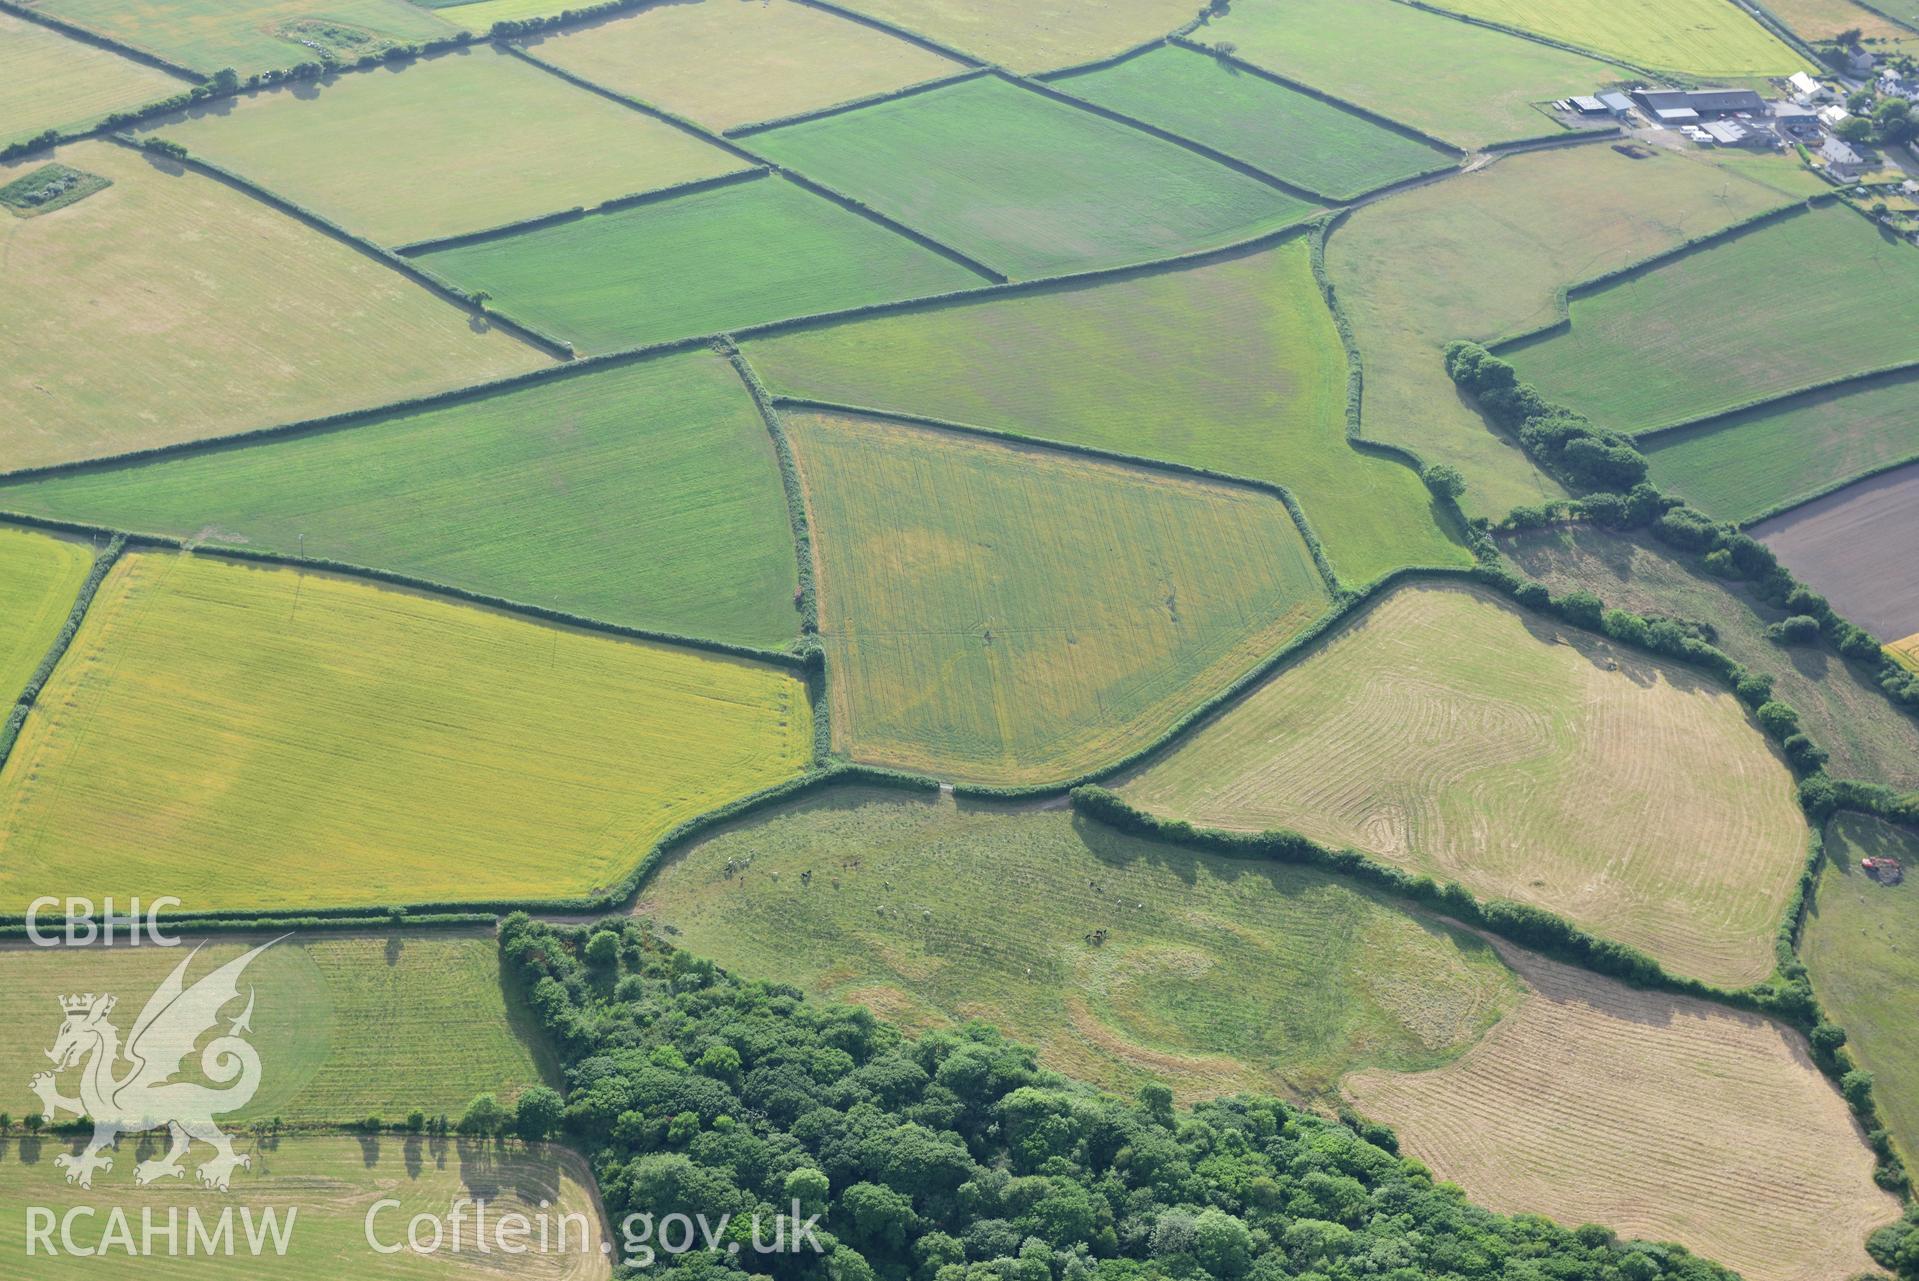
(1832, 117)
(1807, 89)
(1794, 118)
(1702, 103)
(1587, 105)
(1841, 160)
(1730, 133)
(1617, 103)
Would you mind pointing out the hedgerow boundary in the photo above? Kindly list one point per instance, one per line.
(103, 560)
(86, 35)
(897, 32)
(1649, 73)
(1900, 372)
(854, 104)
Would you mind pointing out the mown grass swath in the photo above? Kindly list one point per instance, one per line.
(643, 494)
(1010, 614)
(246, 737)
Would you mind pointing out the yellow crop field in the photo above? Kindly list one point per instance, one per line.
(1017, 614)
(1906, 652)
(1661, 1117)
(1701, 37)
(50, 81)
(780, 58)
(1450, 734)
(40, 577)
(169, 307)
(253, 737)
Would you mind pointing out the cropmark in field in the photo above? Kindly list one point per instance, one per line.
(1028, 184)
(1662, 1117)
(454, 143)
(1233, 366)
(1033, 35)
(1452, 735)
(1699, 334)
(254, 35)
(646, 494)
(1125, 961)
(128, 311)
(1856, 547)
(202, 732)
(40, 576)
(1694, 37)
(1014, 614)
(51, 81)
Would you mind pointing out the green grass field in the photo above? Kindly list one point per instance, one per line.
(1028, 184)
(1695, 37)
(51, 81)
(1466, 84)
(1216, 976)
(455, 143)
(1233, 366)
(699, 264)
(348, 1026)
(170, 307)
(1012, 614)
(1414, 272)
(250, 737)
(1033, 35)
(1452, 735)
(480, 15)
(1292, 135)
(1698, 335)
(780, 58)
(1861, 942)
(1867, 736)
(40, 576)
(1740, 467)
(253, 35)
(645, 494)
(328, 1186)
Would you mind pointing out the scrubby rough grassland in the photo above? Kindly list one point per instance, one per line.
(1701, 334)
(645, 495)
(39, 580)
(1484, 253)
(1697, 37)
(1033, 35)
(1663, 1117)
(244, 34)
(1466, 84)
(1450, 734)
(1861, 943)
(333, 1182)
(347, 1026)
(1868, 737)
(248, 737)
(1018, 615)
(1215, 976)
(454, 143)
(1233, 366)
(1824, 19)
(51, 81)
(170, 307)
(1786, 452)
(723, 63)
(1856, 547)
(1290, 134)
(1028, 184)
(697, 264)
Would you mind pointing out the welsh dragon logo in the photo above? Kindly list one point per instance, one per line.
(141, 1095)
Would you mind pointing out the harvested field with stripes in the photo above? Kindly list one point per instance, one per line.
(1664, 1117)
(51, 81)
(1443, 731)
(1856, 548)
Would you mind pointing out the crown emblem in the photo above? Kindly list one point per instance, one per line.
(77, 1004)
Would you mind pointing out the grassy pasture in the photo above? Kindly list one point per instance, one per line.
(723, 63)
(1217, 976)
(40, 577)
(1861, 942)
(1413, 274)
(1233, 366)
(1698, 37)
(252, 35)
(698, 264)
(1666, 1118)
(1287, 133)
(480, 15)
(331, 1185)
(453, 143)
(1028, 184)
(1855, 546)
(1786, 452)
(50, 81)
(1867, 736)
(1033, 35)
(200, 736)
(1013, 614)
(1450, 734)
(170, 306)
(1698, 335)
(1466, 84)
(645, 494)
(347, 1026)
